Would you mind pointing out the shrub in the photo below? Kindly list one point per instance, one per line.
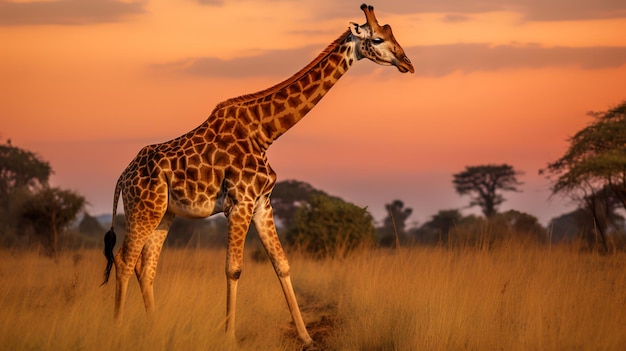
(328, 226)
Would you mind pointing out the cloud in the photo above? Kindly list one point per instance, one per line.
(269, 64)
(431, 61)
(211, 2)
(531, 10)
(541, 10)
(441, 60)
(223, 2)
(453, 18)
(67, 12)
(81, 12)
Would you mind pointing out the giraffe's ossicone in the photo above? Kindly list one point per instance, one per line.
(221, 166)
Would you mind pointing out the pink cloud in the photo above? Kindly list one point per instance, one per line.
(67, 12)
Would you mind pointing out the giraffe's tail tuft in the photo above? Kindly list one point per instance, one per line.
(109, 243)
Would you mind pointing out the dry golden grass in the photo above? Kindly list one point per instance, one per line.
(414, 299)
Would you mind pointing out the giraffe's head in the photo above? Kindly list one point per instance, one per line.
(377, 43)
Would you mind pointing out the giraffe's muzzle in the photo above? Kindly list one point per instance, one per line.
(404, 65)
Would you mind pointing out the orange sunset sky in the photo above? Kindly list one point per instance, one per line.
(86, 83)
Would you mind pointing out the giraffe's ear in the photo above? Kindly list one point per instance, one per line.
(357, 31)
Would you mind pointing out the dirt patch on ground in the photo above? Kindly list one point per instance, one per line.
(321, 321)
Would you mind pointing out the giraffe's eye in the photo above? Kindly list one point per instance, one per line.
(377, 41)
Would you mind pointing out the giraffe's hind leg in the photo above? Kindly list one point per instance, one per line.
(123, 271)
(146, 266)
(138, 232)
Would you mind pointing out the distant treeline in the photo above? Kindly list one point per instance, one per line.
(592, 173)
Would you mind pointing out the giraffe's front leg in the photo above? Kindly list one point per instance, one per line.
(238, 222)
(264, 223)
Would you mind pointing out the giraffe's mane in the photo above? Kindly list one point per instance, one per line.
(289, 81)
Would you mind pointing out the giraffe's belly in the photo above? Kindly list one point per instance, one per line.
(200, 205)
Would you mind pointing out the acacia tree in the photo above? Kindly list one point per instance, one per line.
(601, 206)
(20, 169)
(443, 221)
(595, 158)
(594, 163)
(27, 203)
(21, 172)
(47, 212)
(483, 184)
(394, 225)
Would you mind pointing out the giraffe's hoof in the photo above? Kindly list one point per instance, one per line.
(311, 346)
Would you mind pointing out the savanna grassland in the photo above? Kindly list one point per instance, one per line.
(510, 298)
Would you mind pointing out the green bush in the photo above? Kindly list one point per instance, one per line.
(328, 226)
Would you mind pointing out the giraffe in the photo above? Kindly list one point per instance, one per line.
(221, 166)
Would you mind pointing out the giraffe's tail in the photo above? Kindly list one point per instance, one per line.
(109, 243)
(110, 237)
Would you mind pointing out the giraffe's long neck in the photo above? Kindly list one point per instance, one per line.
(271, 112)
